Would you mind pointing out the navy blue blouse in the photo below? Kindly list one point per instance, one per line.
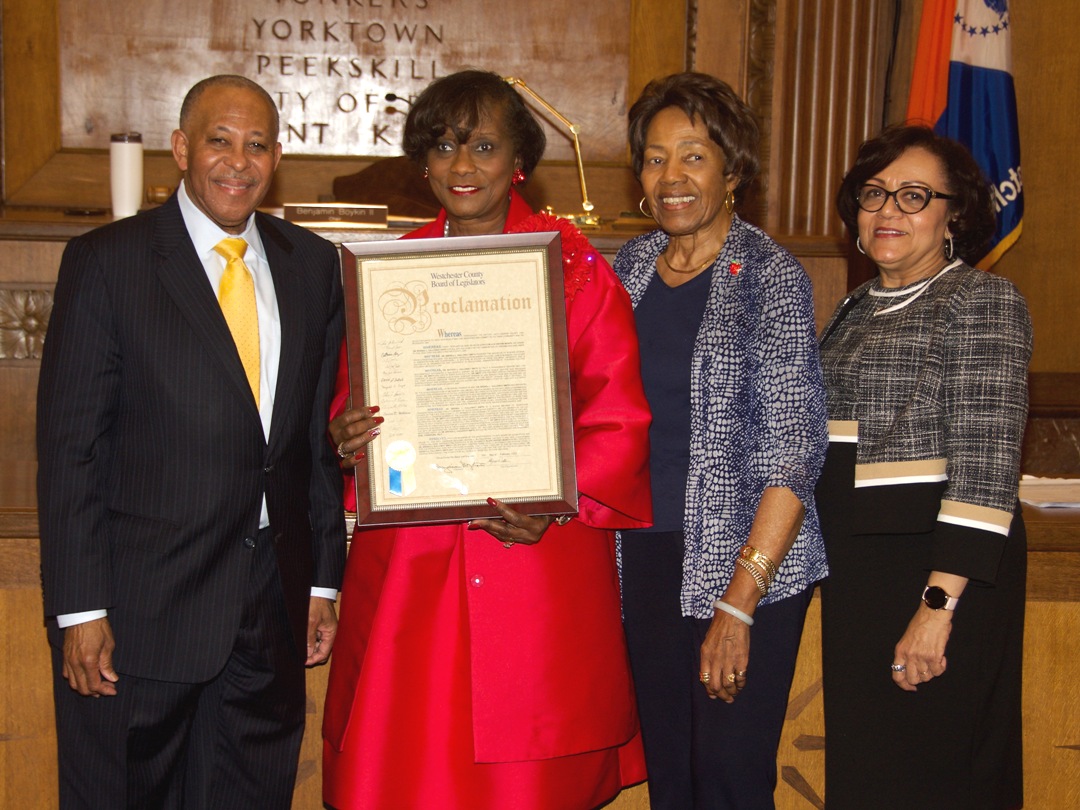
(668, 319)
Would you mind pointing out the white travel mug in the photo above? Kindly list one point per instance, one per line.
(126, 173)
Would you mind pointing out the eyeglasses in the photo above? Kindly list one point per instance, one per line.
(909, 199)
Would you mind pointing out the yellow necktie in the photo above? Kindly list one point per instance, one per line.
(237, 298)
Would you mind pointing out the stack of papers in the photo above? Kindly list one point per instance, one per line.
(1064, 492)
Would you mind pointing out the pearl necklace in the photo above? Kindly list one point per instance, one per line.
(913, 291)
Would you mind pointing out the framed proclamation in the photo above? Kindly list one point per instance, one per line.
(462, 344)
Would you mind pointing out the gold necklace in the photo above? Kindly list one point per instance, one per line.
(708, 263)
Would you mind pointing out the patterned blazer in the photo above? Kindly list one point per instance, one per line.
(757, 408)
(929, 383)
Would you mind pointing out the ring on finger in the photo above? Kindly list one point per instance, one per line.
(897, 667)
(341, 449)
(730, 678)
(741, 673)
(704, 677)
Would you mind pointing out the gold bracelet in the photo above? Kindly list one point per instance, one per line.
(761, 560)
(764, 572)
(759, 578)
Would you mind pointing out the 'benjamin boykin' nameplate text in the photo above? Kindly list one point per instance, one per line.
(336, 215)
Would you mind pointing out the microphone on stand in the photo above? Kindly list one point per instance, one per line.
(587, 219)
(392, 97)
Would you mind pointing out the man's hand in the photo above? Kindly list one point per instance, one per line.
(321, 630)
(88, 650)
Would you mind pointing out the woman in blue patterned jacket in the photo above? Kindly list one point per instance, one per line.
(926, 369)
(731, 372)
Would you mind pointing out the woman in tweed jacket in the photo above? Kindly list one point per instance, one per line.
(926, 371)
(730, 366)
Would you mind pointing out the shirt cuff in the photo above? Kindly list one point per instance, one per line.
(69, 619)
(325, 593)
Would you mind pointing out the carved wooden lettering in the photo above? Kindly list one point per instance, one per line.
(332, 64)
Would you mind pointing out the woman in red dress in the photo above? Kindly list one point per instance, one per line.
(483, 665)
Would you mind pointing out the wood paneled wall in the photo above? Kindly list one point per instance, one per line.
(1045, 70)
(1044, 262)
(826, 100)
(30, 133)
(813, 71)
(27, 276)
(816, 70)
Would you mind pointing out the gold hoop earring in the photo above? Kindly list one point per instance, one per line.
(729, 202)
(644, 211)
(858, 246)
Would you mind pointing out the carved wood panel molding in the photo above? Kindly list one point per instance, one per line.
(828, 86)
(760, 57)
(330, 65)
(24, 317)
(814, 72)
(691, 33)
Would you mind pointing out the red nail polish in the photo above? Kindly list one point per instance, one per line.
(379, 420)
(491, 501)
(373, 409)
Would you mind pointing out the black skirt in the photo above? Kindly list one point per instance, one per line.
(956, 742)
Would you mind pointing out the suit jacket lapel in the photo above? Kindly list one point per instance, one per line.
(288, 288)
(181, 273)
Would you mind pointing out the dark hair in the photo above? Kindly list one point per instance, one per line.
(971, 213)
(731, 123)
(459, 102)
(227, 80)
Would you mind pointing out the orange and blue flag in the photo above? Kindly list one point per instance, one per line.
(962, 86)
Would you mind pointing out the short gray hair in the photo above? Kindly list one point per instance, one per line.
(227, 80)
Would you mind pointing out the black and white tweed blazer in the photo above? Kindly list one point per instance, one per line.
(930, 383)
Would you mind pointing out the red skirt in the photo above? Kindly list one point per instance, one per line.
(402, 728)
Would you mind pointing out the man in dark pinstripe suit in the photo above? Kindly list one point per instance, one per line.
(191, 523)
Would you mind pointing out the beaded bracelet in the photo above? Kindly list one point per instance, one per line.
(745, 618)
(759, 577)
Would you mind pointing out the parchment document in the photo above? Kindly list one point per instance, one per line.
(457, 354)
